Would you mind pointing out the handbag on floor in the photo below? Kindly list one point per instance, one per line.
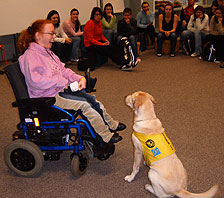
(208, 52)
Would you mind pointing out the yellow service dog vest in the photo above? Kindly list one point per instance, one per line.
(155, 147)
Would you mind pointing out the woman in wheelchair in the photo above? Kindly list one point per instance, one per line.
(46, 76)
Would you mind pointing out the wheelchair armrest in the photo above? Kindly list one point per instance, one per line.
(47, 101)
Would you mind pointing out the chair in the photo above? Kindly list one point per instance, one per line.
(44, 132)
(3, 53)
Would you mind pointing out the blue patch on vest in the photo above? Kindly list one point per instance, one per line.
(155, 151)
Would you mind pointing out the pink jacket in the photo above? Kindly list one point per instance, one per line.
(44, 73)
(69, 29)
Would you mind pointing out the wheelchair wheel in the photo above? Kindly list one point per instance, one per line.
(24, 158)
(79, 163)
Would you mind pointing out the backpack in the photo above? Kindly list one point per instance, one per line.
(209, 52)
(126, 50)
(143, 39)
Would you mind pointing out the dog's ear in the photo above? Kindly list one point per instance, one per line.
(152, 99)
(139, 99)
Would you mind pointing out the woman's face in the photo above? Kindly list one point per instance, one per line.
(199, 14)
(108, 10)
(46, 37)
(97, 16)
(218, 14)
(74, 16)
(145, 7)
(54, 19)
(190, 2)
(168, 10)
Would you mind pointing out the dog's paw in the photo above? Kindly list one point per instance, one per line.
(149, 188)
(129, 178)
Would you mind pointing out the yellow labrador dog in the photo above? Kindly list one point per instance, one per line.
(167, 174)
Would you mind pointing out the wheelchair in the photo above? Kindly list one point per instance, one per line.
(45, 131)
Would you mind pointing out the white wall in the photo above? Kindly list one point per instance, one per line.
(16, 15)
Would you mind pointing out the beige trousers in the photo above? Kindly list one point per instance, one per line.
(92, 115)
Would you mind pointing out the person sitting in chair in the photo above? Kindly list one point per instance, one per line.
(46, 76)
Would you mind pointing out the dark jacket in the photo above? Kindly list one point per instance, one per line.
(125, 29)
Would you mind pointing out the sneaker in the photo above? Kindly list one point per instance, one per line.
(138, 60)
(126, 68)
(74, 60)
(195, 54)
(172, 55)
(159, 55)
(217, 62)
(222, 65)
(200, 58)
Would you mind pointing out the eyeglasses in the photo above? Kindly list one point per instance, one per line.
(50, 33)
(98, 14)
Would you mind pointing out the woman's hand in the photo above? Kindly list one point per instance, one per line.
(167, 33)
(82, 83)
(110, 15)
(106, 43)
(220, 20)
(68, 40)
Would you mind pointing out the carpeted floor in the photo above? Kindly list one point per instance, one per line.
(189, 95)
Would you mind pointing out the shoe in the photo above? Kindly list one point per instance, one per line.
(195, 54)
(222, 65)
(138, 60)
(126, 68)
(172, 55)
(200, 58)
(74, 60)
(159, 55)
(217, 62)
(120, 127)
(115, 138)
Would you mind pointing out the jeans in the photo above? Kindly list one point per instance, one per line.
(109, 34)
(133, 41)
(173, 40)
(198, 36)
(75, 47)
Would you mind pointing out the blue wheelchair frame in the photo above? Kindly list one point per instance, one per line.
(50, 125)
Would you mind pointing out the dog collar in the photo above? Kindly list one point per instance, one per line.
(155, 147)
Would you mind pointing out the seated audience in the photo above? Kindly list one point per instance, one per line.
(167, 29)
(197, 29)
(62, 44)
(216, 36)
(72, 28)
(145, 22)
(127, 27)
(186, 14)
(46, 76)
(96, 43)
(109, 22)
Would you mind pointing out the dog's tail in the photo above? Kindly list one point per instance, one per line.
(208, 194)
